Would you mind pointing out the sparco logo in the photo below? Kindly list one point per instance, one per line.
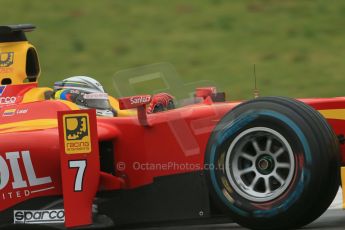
(39, 216)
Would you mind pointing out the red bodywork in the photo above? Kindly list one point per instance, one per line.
(172, 142)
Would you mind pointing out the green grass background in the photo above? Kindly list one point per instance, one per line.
(298, 46)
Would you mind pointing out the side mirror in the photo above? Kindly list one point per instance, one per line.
(139, 102)
(205, 92)
(210, 92)
(134, 101)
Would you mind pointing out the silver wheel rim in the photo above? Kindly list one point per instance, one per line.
(260, 164)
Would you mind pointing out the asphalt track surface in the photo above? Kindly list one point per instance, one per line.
(333, 218)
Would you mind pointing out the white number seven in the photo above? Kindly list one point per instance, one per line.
(81, 166)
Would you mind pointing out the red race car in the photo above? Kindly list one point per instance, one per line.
(267, 163)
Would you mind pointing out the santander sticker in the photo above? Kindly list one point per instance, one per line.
(139, 99)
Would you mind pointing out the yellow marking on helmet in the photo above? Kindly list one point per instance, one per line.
(58, 94)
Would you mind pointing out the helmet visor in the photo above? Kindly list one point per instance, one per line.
(97, 100)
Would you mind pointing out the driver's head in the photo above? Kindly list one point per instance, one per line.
(84, 91)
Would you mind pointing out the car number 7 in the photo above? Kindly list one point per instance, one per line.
(81, 166)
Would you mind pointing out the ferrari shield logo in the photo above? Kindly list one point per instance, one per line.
(6, 59)
(77, 133)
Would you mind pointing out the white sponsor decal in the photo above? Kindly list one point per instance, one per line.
(74, 91)
(22, 111)
(10, 169)
(96, 96)
(140, 99)
(12, 112)
(7, 100)
(38, 216)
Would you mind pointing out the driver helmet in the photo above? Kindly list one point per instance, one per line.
(86, 92)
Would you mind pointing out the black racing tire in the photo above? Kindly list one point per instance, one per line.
(273, 163)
